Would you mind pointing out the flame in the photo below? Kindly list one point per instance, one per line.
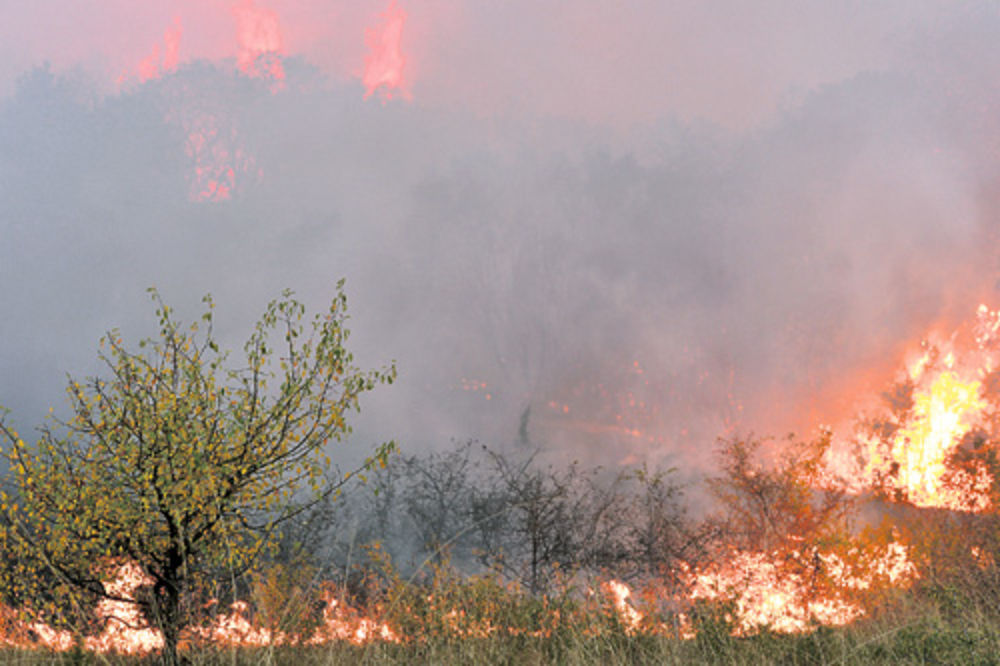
(941, 417)
(948, 400)
(618, 593)
(158, 62)
(341, 623)
(125, 630)
(790, 599)
(385, 63)
(261, 46)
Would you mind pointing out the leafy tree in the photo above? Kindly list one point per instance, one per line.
(179, 463)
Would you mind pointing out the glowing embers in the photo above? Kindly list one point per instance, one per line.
(221, 165)
(261, 46)
(476, 386)
(385, 62)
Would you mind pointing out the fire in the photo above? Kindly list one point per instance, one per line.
(221, 165)
(385, 63)
(940, 419)
(476, 386)
(789, 592)
(158, 62)
(261, 46)
(947, 402)
(618, 593)
(125, 630)
(341, 623)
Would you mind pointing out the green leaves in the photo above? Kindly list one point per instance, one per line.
(179, 463)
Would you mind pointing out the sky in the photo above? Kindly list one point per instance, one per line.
(622, 229)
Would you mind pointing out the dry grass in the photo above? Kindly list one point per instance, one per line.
(938, 623)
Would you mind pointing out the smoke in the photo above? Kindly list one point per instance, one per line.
(627, 274)
(260, 41)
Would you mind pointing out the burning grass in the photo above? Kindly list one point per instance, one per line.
(882, 547)
(936, 623)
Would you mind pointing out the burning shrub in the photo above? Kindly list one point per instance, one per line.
(782, 504)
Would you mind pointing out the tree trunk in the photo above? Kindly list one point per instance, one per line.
(166, 618)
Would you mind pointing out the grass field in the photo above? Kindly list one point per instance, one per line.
(932, 624)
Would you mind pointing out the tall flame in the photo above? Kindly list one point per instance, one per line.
(947, 401)
(385, 63)
(940, 419)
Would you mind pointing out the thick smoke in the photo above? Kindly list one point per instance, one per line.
(620, 291)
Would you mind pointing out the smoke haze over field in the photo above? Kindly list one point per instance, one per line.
(644, 225)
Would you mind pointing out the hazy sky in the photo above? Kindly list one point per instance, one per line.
(645, 221)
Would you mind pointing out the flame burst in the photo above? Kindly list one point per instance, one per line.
(385, 63)
(261, 46)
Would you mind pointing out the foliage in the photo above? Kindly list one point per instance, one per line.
(767, 506)
(178, 462)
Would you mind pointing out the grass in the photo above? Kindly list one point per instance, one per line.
(932, 625)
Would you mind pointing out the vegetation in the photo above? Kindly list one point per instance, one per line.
(933, 625)
(179, 464)
(213, 480)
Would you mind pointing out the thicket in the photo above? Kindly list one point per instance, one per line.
(213, 478)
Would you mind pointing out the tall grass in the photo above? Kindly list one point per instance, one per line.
(444, 621)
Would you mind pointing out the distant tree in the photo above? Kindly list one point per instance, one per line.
(179, 463)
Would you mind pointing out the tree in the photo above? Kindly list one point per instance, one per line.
(178, 463)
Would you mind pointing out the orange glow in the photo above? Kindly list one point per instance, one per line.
(261, 46)
(941, 417)
(385, 62)
(125, 630)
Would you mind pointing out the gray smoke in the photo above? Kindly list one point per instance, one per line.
(672, 277)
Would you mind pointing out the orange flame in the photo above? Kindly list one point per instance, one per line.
(947, 402)
(618, 593)
(385, 64)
